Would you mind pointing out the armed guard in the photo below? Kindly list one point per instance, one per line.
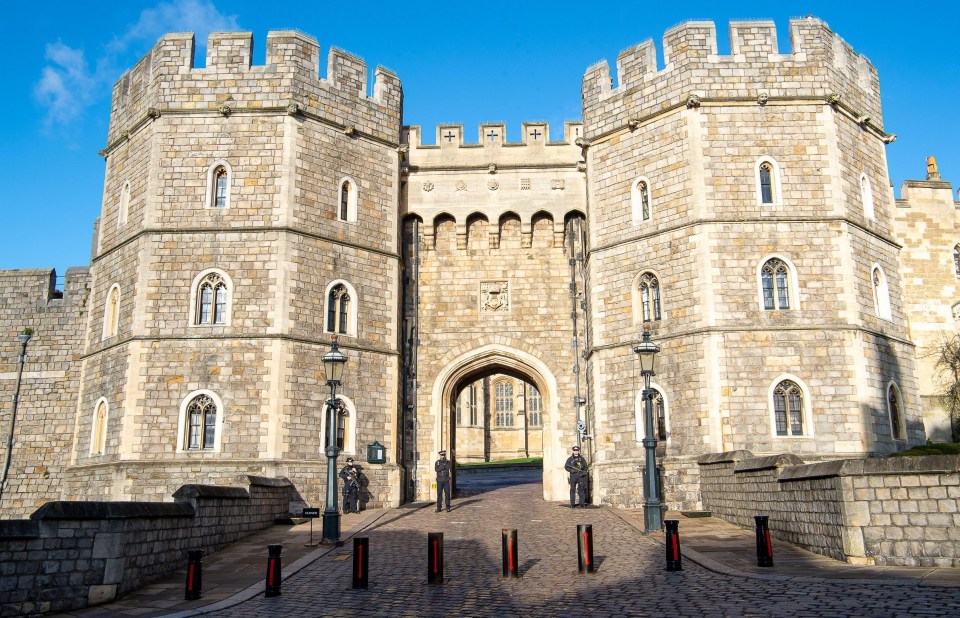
(443, 467)
(351, 487)
(576, 467)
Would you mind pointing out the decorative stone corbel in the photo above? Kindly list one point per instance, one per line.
(349, 130)
(102, 152)
(889, 138)
(633, 124)
(581, 166)
(225, 110)
(293, 109)
(693, 101)
(153, 112)
(403, 149)
(581, 142)
(833, 99)
(492, 168)
(762, 98)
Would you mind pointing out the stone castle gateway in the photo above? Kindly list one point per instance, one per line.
(487, 295)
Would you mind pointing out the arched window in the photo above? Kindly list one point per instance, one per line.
(467, 406)
(219, 176)
(956, 260)
(640, 200)
(98, 430)
(768, 182)
(111, 313)
(338, 309)
(895, 408)
(343, 417)
(534, 407)
(660, 423)
(347, 200)
(212, 300)
(648, 289)
(881, 294)
(201, 428)
(774, 281)
(866, 196)
(346, 426)
(503, 392)
(788, 409)
(123, 210)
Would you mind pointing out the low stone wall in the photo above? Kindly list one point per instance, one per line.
(893, 511)
(72, 554)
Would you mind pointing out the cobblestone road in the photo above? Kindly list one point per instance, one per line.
(630, 579)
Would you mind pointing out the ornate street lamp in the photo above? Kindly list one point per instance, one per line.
(334, 362)
(652, 509)
(24, 339)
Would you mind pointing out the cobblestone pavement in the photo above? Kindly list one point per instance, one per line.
(630, 579)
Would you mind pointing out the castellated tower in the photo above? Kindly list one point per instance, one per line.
(249, 214)
(740, 207)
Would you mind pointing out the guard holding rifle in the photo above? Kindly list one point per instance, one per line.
(576, 467)
(351, 487)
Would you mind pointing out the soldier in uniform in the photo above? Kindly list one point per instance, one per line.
(351, 487)
(576, 467)
(443, 467)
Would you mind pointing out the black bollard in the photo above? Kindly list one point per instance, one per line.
(585, 547)
(435, 558)
(673, 545)
(764, 547)
(511, 566)
(273, 570)
(361, 562)
(194, 575)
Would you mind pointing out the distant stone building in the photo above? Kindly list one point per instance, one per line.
(736, 205)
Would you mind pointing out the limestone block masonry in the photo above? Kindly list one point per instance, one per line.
(737, 205)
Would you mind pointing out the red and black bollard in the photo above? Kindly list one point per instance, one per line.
(273, 570)
(194, 575)
(361, 562)
(585, 547)
(434, 557)
(673, 545)
(511, 566)
(764, 547)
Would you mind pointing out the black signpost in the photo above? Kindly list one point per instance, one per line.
(311, 514)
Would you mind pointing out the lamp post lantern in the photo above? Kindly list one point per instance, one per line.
(334, 362)
(24, 339)
(652, 508)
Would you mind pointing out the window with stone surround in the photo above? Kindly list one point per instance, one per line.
(660, 423)
(503, 399)
(467, 406)
(346, 427)
(98, 429)
(111, 312)
(201, 422)
(881, 293)
(341, 308)
(768, 182)
(219, 180)
(895, 410)
(789, 411)
(347, 200)
(640, 200)
(956, 260)
(534, 401)
(866, 196)
(774, 283)
(211, 299)
(123, 209)
(646, 295)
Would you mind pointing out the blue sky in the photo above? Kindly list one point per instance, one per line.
(484, 61)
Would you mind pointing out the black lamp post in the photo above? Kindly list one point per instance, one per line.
(652, 509)
(24, 339)
(334, 362)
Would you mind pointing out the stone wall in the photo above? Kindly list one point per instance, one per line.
(69, 555)
(884, 511)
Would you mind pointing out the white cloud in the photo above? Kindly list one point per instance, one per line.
(68, 85)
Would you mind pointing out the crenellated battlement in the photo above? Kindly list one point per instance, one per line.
(534, 146)
(820, 65)
(166, 80)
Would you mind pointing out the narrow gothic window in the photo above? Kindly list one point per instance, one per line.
(473, 405)
(774, 279)
(342, 428)
(344, 200)
(644, 194)
(99, 433)
(896, 412)
(649, 297)
(112, 314)
(640, 200)
(124, 209)
(504, 404)
(956, 260)
(881, 294)
(534, 407)
(201, 423)
(338, 309)
(788, 409)
(467, 406)
(766, 183)
(866, 196)
(221, 178)
(212, 300)
(659, 415)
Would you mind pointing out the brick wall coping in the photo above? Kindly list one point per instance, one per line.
(719, 458)
(263, 481)
(110, 510)
(191, 492)
(770, 462)
(931, 464)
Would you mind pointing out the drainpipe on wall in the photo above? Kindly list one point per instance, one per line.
(24, 339)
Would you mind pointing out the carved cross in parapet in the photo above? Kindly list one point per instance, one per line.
(536, 134)
(492, 135)
(449, 136)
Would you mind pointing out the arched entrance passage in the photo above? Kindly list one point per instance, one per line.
(498, 359)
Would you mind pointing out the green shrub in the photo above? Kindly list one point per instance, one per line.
(931, 448)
